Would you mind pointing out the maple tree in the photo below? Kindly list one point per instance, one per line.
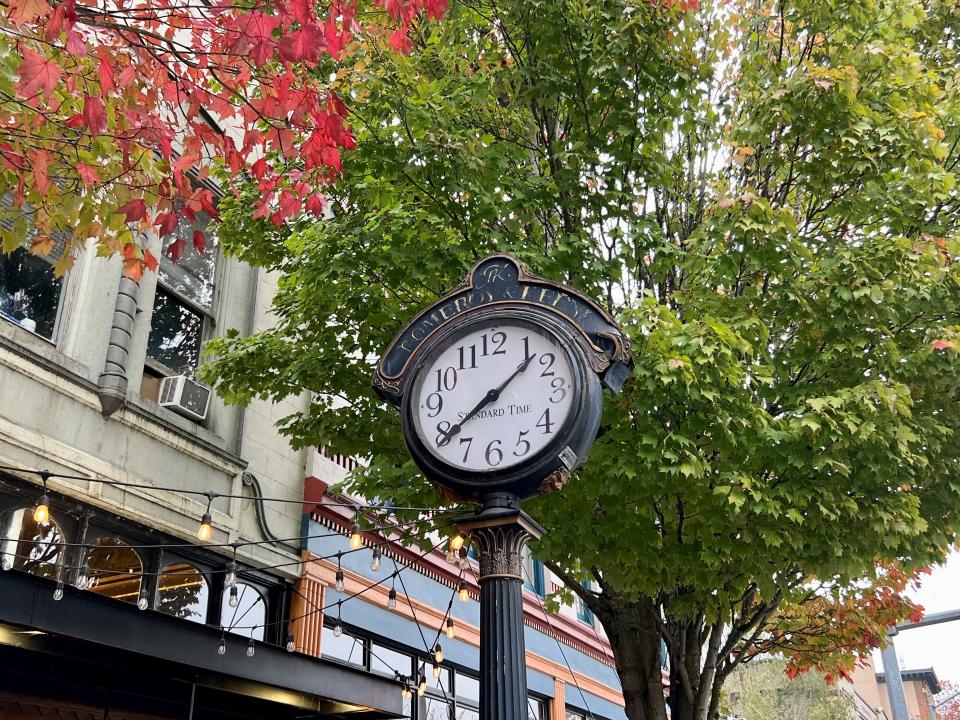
(763, 193)
(950, 709)
(116, 111)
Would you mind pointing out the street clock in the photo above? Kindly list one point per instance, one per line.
(499, 384)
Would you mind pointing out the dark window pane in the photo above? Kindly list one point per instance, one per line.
(29, 293)
(346, 647)
(33, 548)
(192, 276)
(176, 333)
(385, 660)
(534, 709)
(182, 592)
(249, 614)
(113, 569)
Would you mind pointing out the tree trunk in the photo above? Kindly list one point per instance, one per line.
(631, 627)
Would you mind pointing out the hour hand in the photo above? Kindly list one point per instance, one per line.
(488, 397)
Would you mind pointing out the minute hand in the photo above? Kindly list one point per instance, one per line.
(488, 397)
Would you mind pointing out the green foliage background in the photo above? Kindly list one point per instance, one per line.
(762, 193)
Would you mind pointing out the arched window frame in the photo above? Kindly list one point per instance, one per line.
(12, 548)
(107, 539)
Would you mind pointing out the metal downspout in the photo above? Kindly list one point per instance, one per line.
(112, 382)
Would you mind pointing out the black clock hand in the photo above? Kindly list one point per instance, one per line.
(488, 397)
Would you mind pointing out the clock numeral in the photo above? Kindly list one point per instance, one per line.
(498, 338)
(525, 443)
(548, 360)
(446, 379)
(545, 423)
(559, 386)
(468, 441)
(443, 428)
(435, 403)
(526, 347)
(473, 356)
(493, 455)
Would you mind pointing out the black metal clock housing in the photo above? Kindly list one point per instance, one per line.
(499, 384)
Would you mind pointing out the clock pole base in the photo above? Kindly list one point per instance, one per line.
(500, 530)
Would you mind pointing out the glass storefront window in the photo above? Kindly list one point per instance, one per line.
(176, 334)
(182, 592)
(346, 647)
(468, 688)
(249, 615)
(33, 548)
(113, 569)
(433, 709)
(389, 662)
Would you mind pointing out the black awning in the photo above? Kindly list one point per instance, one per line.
(90, 651)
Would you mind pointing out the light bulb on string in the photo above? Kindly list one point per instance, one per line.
(451, 632)
(230, 576)
(405, 692)
(41, 512)
(339, 581)
(205, 531)
(251, 648)
(6, 563)
(356, 537)
(142, 601)
(375, 560)
(456, 542)
(464, 559)
(438, 653)
(222, 647)
(338, 626)
(234, 599)
(84, 580)
(422, 687)
(291, 644)
(392, 599)
(464, 592)
(436, 671)
(58, 592)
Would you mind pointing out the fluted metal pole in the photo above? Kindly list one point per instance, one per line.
(500, 531)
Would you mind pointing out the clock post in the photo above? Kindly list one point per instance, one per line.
(500, 390)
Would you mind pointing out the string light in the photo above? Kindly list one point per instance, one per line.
(422, 687)
(234, 599)
(375, 560)
(405, 692)
(222, 647)
(456, 542)
(41, 513)
(230, 577)
(251, 648)
(83, 577)
(436, 671)
(7, 562)
(356, 538)
(464, 592)
(392, 599)
(291, 643)
(58, 592)
(205, 531)
(338, 627)
(142, 601)
(451, 632)
(464, 559)
(438, 653)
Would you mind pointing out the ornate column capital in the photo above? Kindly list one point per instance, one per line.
(499, 531)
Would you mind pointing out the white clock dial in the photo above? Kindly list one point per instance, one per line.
(493, 397)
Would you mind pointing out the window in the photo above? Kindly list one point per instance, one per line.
(112, 568)
(387, 661)
(347, 648)
(248, 616)
(182, 592)
(536, 709)
(182, 308)
(532, 573)
(29, 292)
(575, 714)
(584, 614)
(33, 548)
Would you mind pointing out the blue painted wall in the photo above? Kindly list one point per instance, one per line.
(378, 620)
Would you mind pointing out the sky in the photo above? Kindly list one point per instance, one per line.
(936, 646)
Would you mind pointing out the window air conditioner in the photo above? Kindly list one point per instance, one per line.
(185, 397)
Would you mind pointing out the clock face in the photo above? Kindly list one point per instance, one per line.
(493, 395)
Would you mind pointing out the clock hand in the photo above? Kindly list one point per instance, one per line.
(488, 397)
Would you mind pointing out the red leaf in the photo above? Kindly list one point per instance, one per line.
(64, 16)
(176, 248)
(394, 8)
(304, 44)
(107, 82)
(315, 204)
(436, 8)
(150, 261)
(166, 223)
(133, 268)
(259, 169)
(134, 210)
(37, 74)
(199, 241)
(88, 174)
(400, 41)
(40, 161)
(300, 10)
(23, 11)
(94, 114)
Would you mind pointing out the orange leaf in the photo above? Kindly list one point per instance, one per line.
(37, 74)
(42, 245)
(133, 268)
(942, 344)
(23, 11)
